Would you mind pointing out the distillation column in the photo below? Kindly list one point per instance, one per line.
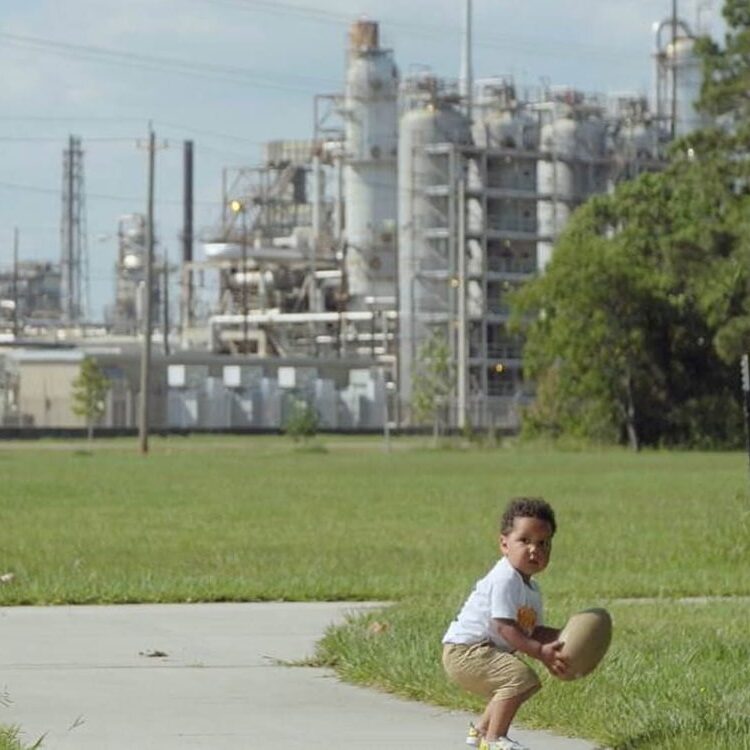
(678, 78)
(370, 176)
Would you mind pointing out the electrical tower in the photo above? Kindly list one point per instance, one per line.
(74, 254)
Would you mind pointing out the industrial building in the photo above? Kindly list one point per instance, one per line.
(417, 205)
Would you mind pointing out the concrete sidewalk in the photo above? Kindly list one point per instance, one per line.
(93, 677)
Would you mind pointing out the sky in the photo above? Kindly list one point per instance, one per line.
(231, 75)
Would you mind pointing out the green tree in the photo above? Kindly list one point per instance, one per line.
(726, 69)
(89, 391)
(634, 329)
(433, 383)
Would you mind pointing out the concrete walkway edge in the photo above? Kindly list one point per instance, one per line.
(181, 676)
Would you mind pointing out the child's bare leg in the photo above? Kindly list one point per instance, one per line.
(491, 709)
(498, 715)
(481, 725)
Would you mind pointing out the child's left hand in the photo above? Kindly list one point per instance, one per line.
(551, 657)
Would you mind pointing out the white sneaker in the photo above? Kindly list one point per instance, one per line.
(473, 736)
(502, 743)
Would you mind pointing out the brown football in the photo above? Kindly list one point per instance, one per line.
(586, 638)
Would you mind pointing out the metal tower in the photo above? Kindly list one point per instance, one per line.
(74, 254)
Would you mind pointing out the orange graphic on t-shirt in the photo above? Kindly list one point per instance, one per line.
(526, 618)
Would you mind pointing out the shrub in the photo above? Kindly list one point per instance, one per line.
(302, 422)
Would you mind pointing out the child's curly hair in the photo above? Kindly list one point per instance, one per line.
(527, 507)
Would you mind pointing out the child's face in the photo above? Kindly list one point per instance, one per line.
(528, 545)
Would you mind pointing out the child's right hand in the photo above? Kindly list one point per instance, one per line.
(550, 655)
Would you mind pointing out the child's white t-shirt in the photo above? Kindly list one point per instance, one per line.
(503, 594)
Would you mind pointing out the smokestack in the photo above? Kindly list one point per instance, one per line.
(363, 36)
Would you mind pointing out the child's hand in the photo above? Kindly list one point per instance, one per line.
(551, 657)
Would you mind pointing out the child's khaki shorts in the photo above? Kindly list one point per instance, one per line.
(483, 669)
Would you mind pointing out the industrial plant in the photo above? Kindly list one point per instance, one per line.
(417, 205)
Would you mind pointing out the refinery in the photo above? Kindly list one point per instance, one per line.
(416, 206)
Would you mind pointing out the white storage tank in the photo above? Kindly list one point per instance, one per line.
(370, 178)
(640, 141)
(574, 164)
(689, 75)
(592, 169)
(639, 146)
(636, 137)
(555, 179)
(509, 130)
(503, 122)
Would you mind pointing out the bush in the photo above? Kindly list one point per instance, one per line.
(302, 422)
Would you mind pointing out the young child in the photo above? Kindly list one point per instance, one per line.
(501, 619)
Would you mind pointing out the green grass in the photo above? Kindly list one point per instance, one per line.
(9, 740)
(674, 678)
(252, 518)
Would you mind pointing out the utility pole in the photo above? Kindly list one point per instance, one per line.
(462, 359)
(15, 283)
(187, 235)
(467, 73)
(745, 370)
(165, 303)
(244, 280)
(673, 114)
(146, 354)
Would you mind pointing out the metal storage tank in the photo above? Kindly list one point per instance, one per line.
(574, 163)
(503, 122)
(591, 170)
(427, 233)
(639, 140)
(689, 74)
(678, 77)
(370, 177)
(638, 144)
(509, 130)
(132, 235)
(555, 179)
(635, 138)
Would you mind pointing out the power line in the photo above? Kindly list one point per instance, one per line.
(562, 47)
(100, 196)
(244, 76)
(60, 138)
(296, 82)
(29, 188)
(211, 133)
(76, 118)
(115, 139)
(283, 9)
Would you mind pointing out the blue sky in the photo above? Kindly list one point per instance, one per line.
(253, 68)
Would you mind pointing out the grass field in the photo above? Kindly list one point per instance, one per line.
(252, 518)
(9, 740)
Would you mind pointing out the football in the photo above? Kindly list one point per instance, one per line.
(586, 638)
